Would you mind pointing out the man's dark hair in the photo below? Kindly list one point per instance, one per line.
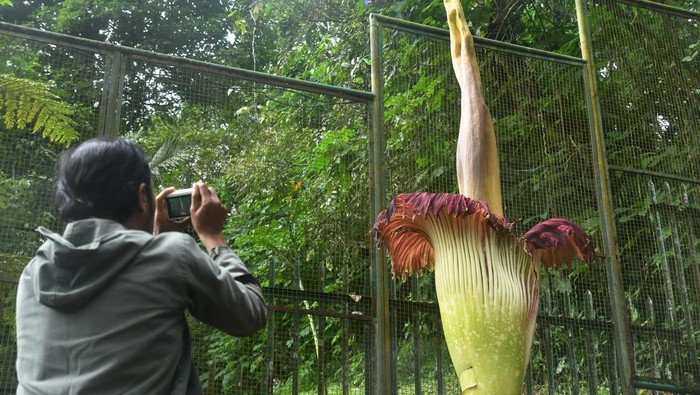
(100, 178)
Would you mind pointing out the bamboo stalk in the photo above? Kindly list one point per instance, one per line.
(666, 273)
(665, 267)
(694, 263)
(681, 283)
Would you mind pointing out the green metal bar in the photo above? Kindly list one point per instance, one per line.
(296, 323)
(529, 384)
(111, 102)
(662, 8)
(591, 347)
(444, 35)
(298, 295)
(612, 366)
(271, 326)
(571, 347)
(655, 174)
(322, 384)
(65, 40)
(650, 384)
(654, 342)
(378, 193)
(548, 343)
(104, 97)
(620, 317)
(369, 347)
(318, 313)
(440, 371)
(116, 90)
(415, 321)
(139, 54)
(346, 334)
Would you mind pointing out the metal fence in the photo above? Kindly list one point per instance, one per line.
(150, 97)
(547, 171)
(651, 148)
(628, 174)
(609, 140)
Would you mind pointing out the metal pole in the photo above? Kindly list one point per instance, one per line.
(111, 101)
(152, 57)
(378, 192)
(620, 319)
(662, 8)
(480, 42)
(656, 386)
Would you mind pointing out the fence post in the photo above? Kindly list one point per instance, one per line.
(620, 317)
(112, 88)
(380, 303)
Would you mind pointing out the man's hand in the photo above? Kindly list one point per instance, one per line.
(208, 215)
(162, 223)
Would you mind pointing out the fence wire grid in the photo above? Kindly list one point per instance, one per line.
(322, 331)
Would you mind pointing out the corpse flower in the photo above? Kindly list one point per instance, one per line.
(486, 278)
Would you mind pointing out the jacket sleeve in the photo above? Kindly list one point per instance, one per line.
(221, 292)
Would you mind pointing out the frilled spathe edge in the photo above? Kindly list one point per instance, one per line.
(558, 241)
(402, 228)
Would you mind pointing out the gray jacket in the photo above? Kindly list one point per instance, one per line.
(100, 310)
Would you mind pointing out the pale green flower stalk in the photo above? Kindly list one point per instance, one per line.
(486, 279)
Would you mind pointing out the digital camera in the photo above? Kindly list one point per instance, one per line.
(178, 204)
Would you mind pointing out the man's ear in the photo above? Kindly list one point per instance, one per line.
(144, 198)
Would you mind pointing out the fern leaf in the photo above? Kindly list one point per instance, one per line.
(23, 108)
(24, 102)
(10, 113)
(169, 154)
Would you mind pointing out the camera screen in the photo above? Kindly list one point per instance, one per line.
(178, 206)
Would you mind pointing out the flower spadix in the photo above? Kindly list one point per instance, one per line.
(486, 278)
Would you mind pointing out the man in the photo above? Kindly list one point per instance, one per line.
(101, 308)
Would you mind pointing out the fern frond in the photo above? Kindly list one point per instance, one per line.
(25, 106)
(25, 102)
(169, 154)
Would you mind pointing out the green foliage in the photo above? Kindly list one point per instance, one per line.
(23, 207)
(24, 102)
(181, 27)
(695, 49)
(293, 169)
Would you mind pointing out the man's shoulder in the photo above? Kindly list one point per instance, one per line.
(174, 237)
(175, 243)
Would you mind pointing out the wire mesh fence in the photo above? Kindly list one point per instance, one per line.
(648, 95)
(540, 116)
(8, 378)
(312, 256)
(301, 201)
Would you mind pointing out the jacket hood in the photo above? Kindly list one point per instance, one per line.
(69, 270)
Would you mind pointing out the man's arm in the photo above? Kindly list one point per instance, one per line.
(221, 290)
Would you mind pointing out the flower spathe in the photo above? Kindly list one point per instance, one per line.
(404, 228)
(486, 278)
